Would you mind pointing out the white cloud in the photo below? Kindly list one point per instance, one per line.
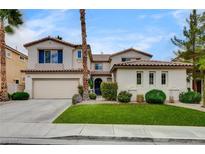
(41, 26)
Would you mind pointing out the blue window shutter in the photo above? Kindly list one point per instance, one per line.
(41, 56)
(60, 56)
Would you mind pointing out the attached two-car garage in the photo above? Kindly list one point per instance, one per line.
(57, 88)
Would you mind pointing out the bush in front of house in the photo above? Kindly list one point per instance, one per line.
(20, 96)
(80, 90)
(77, 98)
(140, 98)
(92, 96)
(109, 90)
(190, 97)
(155, 96)
(124, 97)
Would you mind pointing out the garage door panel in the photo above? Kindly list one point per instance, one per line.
(55, 88)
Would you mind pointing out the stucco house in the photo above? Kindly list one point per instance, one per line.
(15, 62)
(55, 70)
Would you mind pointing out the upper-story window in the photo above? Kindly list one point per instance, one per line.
(8, 54)
(79, 54)
(164, 78)
(50, 56)
(139, 78)
(98, 66)
(126, 59)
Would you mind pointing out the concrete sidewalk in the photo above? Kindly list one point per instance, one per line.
(101, 131)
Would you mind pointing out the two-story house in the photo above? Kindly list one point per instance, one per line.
(15, 62)
(55, 70)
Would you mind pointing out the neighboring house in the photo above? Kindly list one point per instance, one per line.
(15, 62)
(55, 70)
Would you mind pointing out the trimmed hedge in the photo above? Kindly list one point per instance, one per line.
(20, 96)
(124, 97)
(109, 90)
(77, 98)
(190, 97)
(92, 96)
(155, 96)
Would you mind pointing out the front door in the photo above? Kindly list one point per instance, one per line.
(98, 82)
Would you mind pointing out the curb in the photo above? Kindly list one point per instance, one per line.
(131, 139)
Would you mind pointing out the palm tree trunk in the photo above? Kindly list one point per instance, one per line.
(84, 51)
(3, 92)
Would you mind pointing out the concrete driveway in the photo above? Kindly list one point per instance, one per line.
(32, 111)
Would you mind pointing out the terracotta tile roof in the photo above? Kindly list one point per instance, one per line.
(50, 38)
(152, 64)
(51, 71)
(100, 73)
(101, 57)
(131, 49)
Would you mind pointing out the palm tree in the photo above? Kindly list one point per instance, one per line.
(84, 51)
(9, 19)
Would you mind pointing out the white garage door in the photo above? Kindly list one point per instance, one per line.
(55, 88)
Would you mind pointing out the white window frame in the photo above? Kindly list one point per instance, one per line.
(141, 72)
(154, 78)
(166, 78)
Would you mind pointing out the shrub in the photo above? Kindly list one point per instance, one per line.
(77, 98)
(155, 96)
(109, 90)
(20, 96)
(80, 90)
(92, 96)
(190, 97)
(124, 97)
(140, 98)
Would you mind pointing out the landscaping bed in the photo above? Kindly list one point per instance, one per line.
(141, 114)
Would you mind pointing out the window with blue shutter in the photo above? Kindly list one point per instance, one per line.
(60, 56)
(41, 56)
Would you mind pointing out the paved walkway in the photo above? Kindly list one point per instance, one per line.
(45, 131)
(190, 106)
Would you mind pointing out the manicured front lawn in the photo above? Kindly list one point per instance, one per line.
(145, 114)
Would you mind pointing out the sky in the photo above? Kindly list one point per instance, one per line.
(108, 31)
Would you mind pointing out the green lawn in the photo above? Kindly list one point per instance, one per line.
(145, 114)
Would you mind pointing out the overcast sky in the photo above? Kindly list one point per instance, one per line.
(108, 31)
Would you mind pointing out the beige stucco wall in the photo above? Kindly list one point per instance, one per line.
(70, 60)
(31, 77)
(14, 65)
(130, 54)
(176, 81)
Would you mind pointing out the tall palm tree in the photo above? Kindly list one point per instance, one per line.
(85, 53)
(9, 19)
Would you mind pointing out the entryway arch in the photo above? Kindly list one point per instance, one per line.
(97, 84)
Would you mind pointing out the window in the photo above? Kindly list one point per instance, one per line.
(152, 78)
(126, 59)
(79, 54)
(164, 78)
(139, 78)
(98, 66)
(50, 56)
(8, 54)
(17, 81)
